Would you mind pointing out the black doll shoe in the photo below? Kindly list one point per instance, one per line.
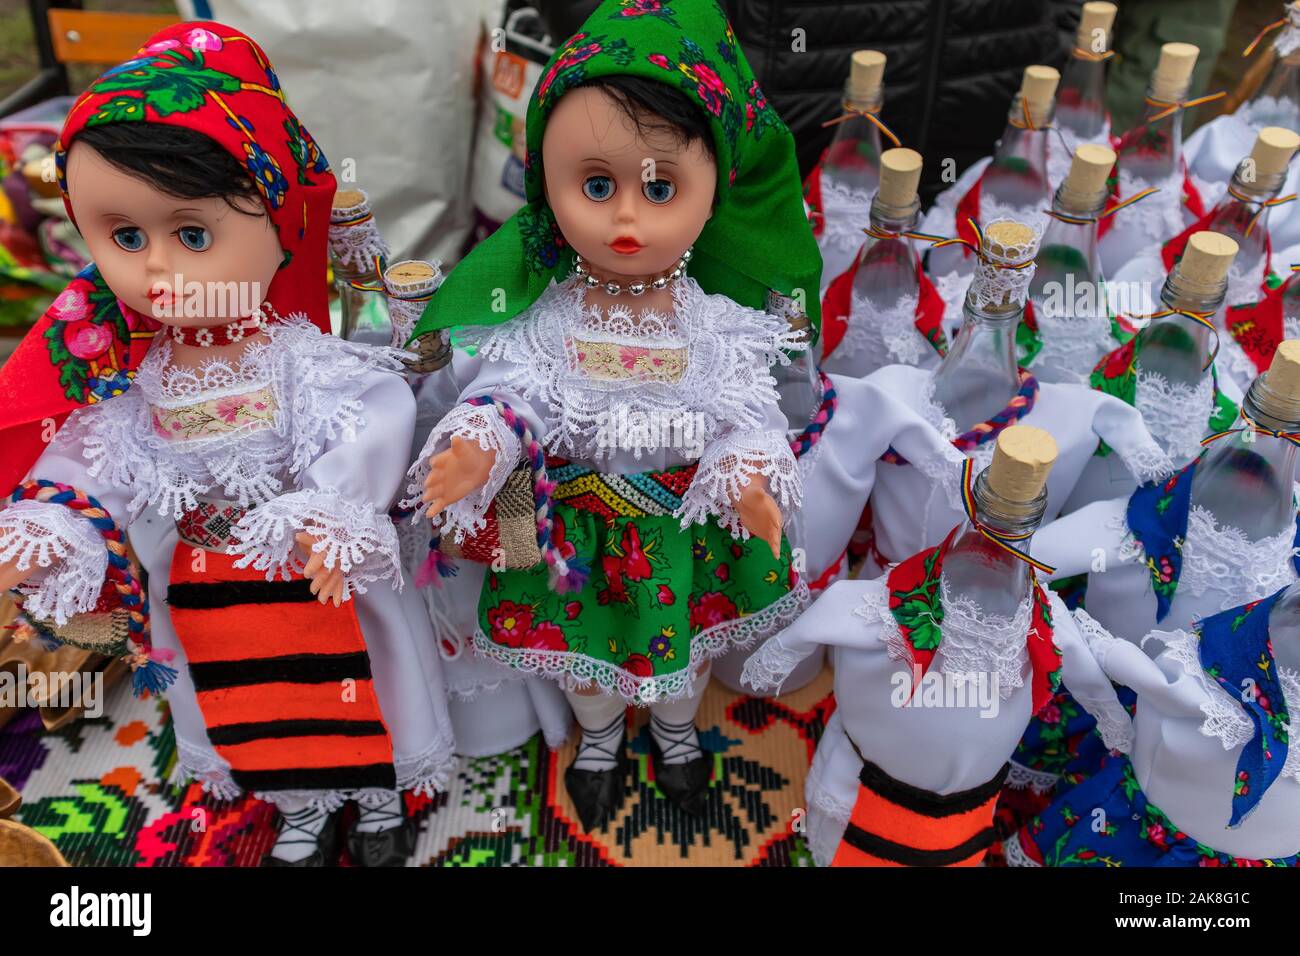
(391, 847)
(327, 841)
(598, 794)
(685, 784)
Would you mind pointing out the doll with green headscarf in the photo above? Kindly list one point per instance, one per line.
(618, 350)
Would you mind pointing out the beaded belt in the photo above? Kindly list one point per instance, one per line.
(209, 525)
(640, 495)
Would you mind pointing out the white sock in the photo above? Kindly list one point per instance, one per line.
(672, 724)
(601, 718)
(380, 810)
(297, 839)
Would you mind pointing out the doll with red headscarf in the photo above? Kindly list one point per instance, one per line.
(189, 375)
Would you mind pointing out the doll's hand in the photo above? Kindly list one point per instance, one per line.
(760, 514)
(326, 583)
(10, 576)
(459, 471)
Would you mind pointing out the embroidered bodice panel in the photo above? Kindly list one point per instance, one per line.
(847, 211)
(663, 381)
(886, 335)
(244, 430)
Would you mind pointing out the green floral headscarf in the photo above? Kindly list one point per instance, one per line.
(758, 238)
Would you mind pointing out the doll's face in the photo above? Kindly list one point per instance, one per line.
(186, 262)
(628, 205)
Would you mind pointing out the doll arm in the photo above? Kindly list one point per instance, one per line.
(841, 617)
(1126, 663)
(1083, 675)
(481, 425)
(1120, 426)
(343, 499)
(1083, 541)
(62, 552)
(920, 443)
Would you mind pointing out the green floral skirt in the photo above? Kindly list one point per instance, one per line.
(657, 599)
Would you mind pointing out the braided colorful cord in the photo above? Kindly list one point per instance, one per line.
(564, 577)
(812, 434)
(149, 676)
(1019, 406)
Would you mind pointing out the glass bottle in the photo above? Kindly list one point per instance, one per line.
(852, 163)
(1152, 150)
(798, 384)
(1277, 100)
(354, 244)
(1246, 480)
(1175, 346)
(980, 375)
(1081, 100)
(1067, 289)
(976, 568)
(1016, 180)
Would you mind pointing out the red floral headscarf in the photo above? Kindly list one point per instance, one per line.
(210, 78)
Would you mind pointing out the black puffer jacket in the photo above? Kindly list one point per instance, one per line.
(953, 65)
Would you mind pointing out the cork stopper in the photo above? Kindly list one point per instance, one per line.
(1095, 16)
(1038, 91)
(410, 272)
(1006, 239)
(900, 173)
(1022, 460)
(1284, 373)
(1273, 150)
(1207, 258)
(1173, 74)
(1089, 169)
(347, 198)
(866, 70)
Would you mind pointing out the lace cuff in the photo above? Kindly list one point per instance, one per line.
(1126, 429)
(67, 551)
(945, 471)
(769, 666)
(357, 540)
(1113, 721)
(726, 468)
(484, 425)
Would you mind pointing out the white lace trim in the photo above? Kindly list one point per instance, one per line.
(1161, 215)
(205, 767)
(1224, 717)
(1264, 111)
(316, 381)
(1113, 721)
(1245, 284)
(1223, 559)
(888, 336)
(429, 771)
(973, 643)
(847, 212)
(727, 466)
(42, 535)
(1020, 777)
(1176, 414)
(726, 385)
(356, 539)
(404, 309)
(355, 247)
(768, 667)
(479, 423)
(952, 289)
(948, 479)
(1015, 854)
(993, 284)
(580, 671)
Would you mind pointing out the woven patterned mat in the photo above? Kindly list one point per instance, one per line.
(98, 789)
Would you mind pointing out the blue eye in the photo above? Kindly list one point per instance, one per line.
(659, 190)
(130, 238)
(598, 188)
(195, 237)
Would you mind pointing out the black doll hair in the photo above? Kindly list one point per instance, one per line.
(657, 107)
(181, 162)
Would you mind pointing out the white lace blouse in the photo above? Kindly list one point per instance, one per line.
(265, 431)
(629, 395)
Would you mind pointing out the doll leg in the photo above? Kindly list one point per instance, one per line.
(682, 769)
(596, 778)
(308, 835)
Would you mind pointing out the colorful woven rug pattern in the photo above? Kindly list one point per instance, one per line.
(98, 789)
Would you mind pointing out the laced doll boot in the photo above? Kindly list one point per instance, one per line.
(308, 837)
(597, 778)
(383, 835)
